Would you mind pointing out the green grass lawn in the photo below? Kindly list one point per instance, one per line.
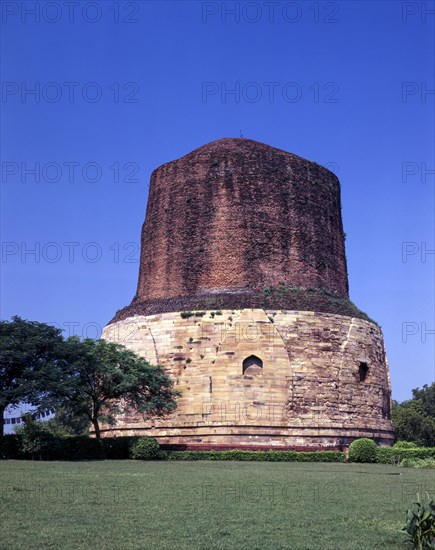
(205, 505)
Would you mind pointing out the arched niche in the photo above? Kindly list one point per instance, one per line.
(252, 366)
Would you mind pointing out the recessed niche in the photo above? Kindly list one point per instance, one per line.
(252, 365)
(363, 371)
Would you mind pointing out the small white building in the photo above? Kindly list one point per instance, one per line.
(13, 416)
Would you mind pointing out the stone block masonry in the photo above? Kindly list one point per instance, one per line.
(318, 380)
(243, 298)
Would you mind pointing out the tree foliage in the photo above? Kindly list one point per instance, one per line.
(35, 440)
(31, 355)
(104, 379)
(65, 423)
(426, 396)
(414, 420)
(92, 380)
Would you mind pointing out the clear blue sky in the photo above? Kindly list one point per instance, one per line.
(122, 87)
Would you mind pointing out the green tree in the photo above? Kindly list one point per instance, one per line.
(31, 354)
(414, 419)
(104, 379)
(426, 396)
(66, 423)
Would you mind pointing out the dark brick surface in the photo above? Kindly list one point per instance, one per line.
(290, 299)
(234, 217)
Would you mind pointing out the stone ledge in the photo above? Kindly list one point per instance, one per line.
(312, 300)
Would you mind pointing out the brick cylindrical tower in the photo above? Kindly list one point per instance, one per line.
(236, 215)
(242, 237)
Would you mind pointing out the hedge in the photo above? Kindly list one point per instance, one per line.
(271, 456)
(428, 463)
(119, 448)
(9, 446)
(87, 448)
(405, 445)
(389, 455)
(68, 448)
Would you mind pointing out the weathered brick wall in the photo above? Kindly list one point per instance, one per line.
(308, 392)
(236, 216)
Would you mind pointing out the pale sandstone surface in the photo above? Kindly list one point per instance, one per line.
(307, 393)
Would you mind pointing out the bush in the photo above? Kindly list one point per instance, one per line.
(404, 445)
(36, 442)
(145, 448)
(186, 314)
(428, 463)
(391, 455)
(118, 448)
(9, 446)
(362, 450)
(420, 525)
(81, 447)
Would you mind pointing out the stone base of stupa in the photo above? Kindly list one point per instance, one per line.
(258, 379)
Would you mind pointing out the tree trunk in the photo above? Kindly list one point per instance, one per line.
(96, 428)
